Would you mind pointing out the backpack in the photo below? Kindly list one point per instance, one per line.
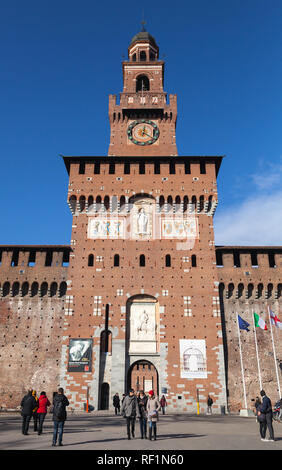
(59, 409)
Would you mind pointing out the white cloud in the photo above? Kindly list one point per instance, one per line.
(258, 219)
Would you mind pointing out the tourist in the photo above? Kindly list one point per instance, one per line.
(265, 417)
(59, 415)
(163, 404)
(130, 410)
(209, 405)
(153, 406)
(43, 403)
(28, 404)
(116, 403)
(142, 404)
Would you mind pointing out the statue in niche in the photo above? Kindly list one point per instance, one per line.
(143, 322)
(142, 222)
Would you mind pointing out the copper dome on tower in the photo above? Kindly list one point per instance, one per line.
(143, 36)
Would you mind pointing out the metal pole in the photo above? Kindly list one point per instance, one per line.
(260, 383)
(274, 353)
(242, 368)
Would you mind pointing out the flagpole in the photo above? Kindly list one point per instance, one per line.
(260, 383)
(274, 353)
(242, 368)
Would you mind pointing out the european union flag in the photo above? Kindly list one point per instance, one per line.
(243, 324)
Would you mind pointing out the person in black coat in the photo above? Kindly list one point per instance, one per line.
(142, 404)
(116, 403)
(28, 404)
(265, 417)
(60, 402)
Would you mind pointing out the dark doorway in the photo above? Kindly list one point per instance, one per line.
(105, 393)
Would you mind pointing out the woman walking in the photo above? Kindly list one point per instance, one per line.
(153, 407)
(43, 403)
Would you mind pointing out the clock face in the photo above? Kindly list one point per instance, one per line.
(143, 132)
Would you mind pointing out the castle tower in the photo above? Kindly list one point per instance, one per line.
(142, 306)
(143, 123)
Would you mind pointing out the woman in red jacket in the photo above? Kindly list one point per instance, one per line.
(43, 403)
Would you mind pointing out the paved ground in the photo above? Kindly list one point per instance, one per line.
(106, 432)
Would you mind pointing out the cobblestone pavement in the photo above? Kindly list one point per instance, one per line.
(107, 432)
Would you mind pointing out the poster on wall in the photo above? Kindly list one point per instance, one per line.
(80, 354)
(193, 361)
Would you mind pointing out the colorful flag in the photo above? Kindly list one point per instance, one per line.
(274, 320)
(259, 322)
(243, 324)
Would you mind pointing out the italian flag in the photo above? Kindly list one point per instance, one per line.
(259, 322)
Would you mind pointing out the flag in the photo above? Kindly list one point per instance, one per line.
(243, 324)
(274, 320)
(259, 322)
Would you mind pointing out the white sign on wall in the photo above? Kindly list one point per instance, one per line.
(193, 360)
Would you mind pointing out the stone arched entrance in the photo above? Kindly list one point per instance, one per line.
(143, 375)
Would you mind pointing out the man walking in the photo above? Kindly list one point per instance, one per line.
(130, 410)
(60, 402)
(265, 409)
(28, 404)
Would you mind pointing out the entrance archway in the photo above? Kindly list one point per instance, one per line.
(143, 375)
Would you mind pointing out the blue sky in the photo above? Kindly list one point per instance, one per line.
(61, 59)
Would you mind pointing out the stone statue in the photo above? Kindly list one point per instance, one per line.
(143, 322)
(142, 222)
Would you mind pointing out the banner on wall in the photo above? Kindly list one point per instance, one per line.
(80, 355)
(193, 361)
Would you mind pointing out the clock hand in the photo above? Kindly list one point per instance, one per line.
(146, 134)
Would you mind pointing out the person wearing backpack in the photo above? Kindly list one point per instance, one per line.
(60, 402)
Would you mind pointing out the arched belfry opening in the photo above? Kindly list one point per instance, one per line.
(142, 83)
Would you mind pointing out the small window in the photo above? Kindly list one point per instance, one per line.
(172, 168)
(134, 58)
(142, 261)
(141, 168)
(116, 260)
(194, 261)
(91, 260)
(168, 261)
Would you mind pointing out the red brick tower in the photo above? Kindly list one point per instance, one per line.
(143, 123)
(142, 306)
